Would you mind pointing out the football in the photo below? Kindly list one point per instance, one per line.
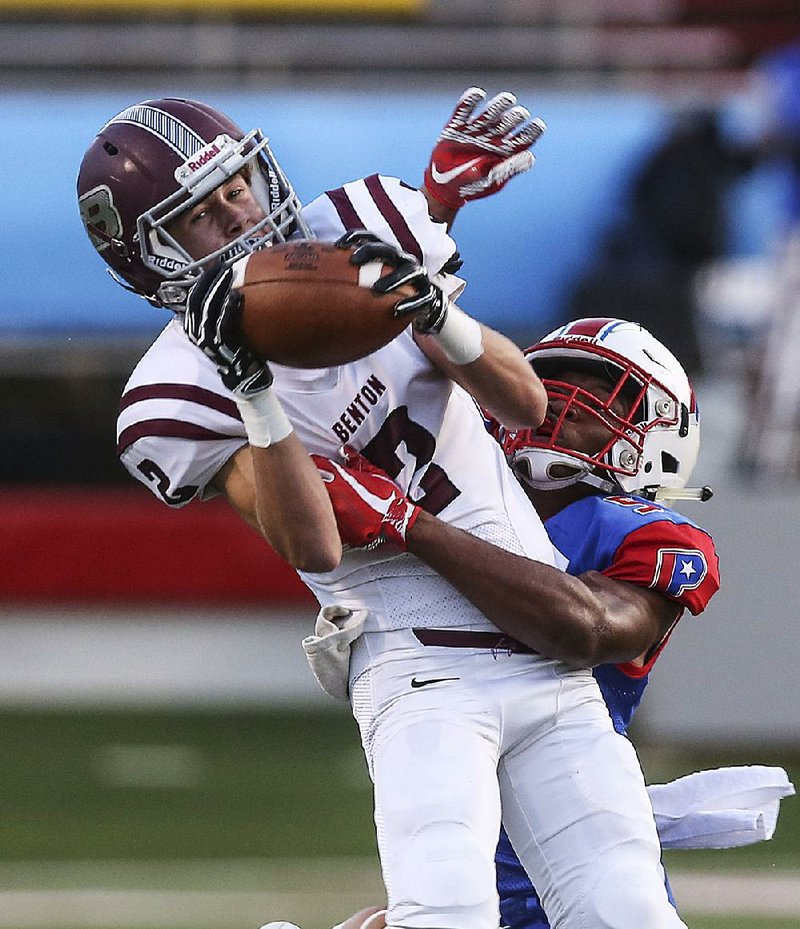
(306, 306)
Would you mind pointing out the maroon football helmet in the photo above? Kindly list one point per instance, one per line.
(155, 160)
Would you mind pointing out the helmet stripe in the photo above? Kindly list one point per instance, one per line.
(183, 140)
(593, 328)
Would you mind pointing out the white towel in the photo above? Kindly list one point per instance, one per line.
(328, 650)
(720, 808)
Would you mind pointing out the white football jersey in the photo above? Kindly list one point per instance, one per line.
(178, 425)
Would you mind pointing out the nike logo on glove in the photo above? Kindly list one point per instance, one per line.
(444, 177)
(433, 680)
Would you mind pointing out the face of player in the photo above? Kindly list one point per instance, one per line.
(225, 214)
(581, 430)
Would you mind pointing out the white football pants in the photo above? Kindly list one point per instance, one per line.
(454, 738)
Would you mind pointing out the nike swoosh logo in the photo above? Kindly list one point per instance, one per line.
(433, 680)
(444, 177)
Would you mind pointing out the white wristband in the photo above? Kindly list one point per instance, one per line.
(460, 337)
(264, 418)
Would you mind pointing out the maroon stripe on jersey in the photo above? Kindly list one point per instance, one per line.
(167, 428)
(198, 395)
(343, 206)
(393, 217)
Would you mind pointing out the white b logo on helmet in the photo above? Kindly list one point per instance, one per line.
(100, 217)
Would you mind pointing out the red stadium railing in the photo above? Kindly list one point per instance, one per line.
(123, 546)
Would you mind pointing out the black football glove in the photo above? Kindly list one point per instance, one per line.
(213, 312)
(428, 306)
(453, 264)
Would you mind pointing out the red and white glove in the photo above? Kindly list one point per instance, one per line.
(477, 153)
(370, 508)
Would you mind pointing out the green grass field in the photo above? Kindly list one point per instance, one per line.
(151, 786)
(236, 818)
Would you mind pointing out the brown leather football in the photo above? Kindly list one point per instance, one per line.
(305, 305)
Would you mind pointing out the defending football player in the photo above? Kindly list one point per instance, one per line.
(173, 194)
(620, 437)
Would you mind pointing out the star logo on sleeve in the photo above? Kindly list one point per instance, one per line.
(678, 570)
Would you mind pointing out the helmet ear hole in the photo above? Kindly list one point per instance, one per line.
(669, 463)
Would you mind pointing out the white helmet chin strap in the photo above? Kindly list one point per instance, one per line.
(535, 467)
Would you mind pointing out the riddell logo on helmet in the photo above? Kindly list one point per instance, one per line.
(203, 158)
(222, 144)
(167, 264)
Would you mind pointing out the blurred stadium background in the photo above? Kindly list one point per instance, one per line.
(167, 760)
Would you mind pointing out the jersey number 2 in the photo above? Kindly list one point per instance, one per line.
(156, 476)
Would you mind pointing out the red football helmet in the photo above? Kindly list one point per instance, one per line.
(155, 160)
(652, 444)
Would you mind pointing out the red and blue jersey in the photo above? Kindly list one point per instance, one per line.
(629, 539)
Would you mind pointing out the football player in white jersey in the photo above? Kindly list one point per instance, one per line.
(174, 197)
